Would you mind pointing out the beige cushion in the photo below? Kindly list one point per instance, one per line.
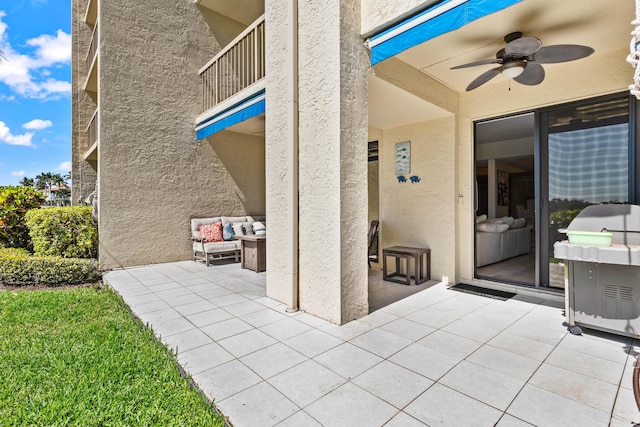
(217, 247)
(491, 227)
(232, 219)
(503, 220)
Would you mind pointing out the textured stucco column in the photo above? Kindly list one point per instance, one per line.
(281, 140)
(333, 66)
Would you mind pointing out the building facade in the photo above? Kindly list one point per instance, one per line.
(203, 108)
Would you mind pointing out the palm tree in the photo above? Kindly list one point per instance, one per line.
(27, 182)
(43, 180)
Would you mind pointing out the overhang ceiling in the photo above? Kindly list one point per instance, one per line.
(391, 107)
(242, 11)
(603, 25)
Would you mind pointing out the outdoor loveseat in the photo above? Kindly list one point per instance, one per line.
(208, 245)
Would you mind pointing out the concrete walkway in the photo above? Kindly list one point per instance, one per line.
(436, 358)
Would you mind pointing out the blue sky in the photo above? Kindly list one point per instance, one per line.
(35, 88)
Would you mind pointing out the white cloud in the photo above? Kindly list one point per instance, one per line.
(64, 166)
(52, 49)
(37, 124)
(8, 138)
(26, 73)
(17, 173)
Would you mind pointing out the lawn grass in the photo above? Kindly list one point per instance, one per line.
(78, 357)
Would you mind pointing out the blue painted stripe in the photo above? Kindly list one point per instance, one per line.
(236, 113)
(448, 21)
(241, 115)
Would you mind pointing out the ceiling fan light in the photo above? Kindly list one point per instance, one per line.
(512, 69)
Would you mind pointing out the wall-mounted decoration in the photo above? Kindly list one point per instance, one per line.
(403, 157)
(402, 179)
(503, 188)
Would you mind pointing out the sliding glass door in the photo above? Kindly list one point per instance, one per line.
(541, 169)
(588, 150)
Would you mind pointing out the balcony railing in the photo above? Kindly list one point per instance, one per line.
(92, 130)
(239, 65)
(93, 48)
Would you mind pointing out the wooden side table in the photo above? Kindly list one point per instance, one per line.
(253, 252)
(422, 264)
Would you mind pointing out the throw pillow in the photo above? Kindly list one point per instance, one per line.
(237, 229)
(211, 232)
(247, 228)
(481, 218)
(259, 228)
(227, 232)
(518, 223)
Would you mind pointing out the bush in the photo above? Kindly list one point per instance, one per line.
(66, 232)
(14, 204)
(19, 268)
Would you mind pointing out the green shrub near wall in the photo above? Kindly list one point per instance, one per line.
(15, 202)
(19, 268)
(65, 231)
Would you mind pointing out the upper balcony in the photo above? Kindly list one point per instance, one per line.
(89, 139)
(91, 62)
(236, 67)
(91, 15)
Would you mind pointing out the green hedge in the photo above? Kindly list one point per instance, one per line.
(14, 204)
(18, 268)
(65, 231)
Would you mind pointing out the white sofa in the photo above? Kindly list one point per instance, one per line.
(227, 249)
(497, 243)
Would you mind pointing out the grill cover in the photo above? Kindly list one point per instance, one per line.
(623, 221)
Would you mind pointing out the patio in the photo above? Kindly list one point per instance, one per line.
(437, 357)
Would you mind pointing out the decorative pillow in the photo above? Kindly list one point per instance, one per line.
(490, 227)
(211, 232)
(237, 229)
(227, 232)
(518, 223)
(481, 218)
(247, 228)
(259, 228)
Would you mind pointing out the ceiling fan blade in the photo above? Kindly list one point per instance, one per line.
(532, 75)
(483, 78)
(561, 53)
(473, 64)
(524, 46)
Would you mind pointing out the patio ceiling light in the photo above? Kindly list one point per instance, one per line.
(513, 69)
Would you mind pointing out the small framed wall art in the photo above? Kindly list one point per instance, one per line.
(403, 157)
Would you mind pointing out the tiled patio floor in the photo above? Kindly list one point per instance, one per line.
(436, 358)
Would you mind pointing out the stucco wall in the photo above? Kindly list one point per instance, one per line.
(82, 105)
(281, 154)
(333, 145)
(601, 74)
(378, 13)
(422, 214)
(242, 156)
(154, 176)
